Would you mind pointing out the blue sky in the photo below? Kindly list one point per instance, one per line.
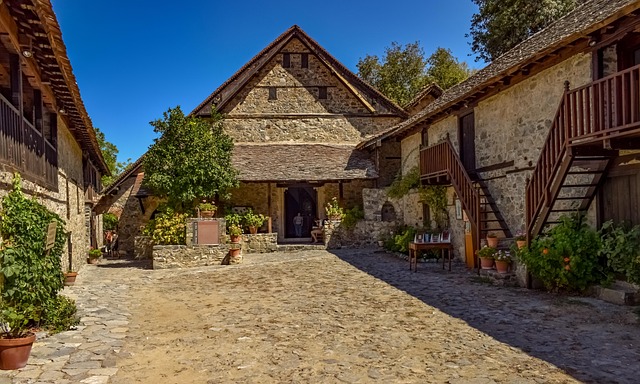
(135, 59)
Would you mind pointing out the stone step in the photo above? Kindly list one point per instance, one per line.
(620, 293)
(300, 247)
(508, 279)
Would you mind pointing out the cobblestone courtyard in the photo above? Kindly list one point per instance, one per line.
(353, 316)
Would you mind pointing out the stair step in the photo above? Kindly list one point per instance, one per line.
(577, 185)
(571, 198)
(492, 221)
(567, 210)
(584, 172)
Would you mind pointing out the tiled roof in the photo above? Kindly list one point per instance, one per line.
(582, 21)
(432, 89)
(225, 92)
(133, 169)
(301, 162)
(36, 18)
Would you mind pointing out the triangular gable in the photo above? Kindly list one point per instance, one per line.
(225, 93)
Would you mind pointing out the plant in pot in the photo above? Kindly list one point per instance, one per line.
(94, 255)
(16, 338)
(70, 277)
(492, 240)
(253, 221)
(521, 239)
(486, 255)
(503, 261)
(235, 231)
(207, 210)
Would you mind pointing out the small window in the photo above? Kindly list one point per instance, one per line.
(322, 92)
(304, 60)
(273, 93)
(286, 60)
(425, 138)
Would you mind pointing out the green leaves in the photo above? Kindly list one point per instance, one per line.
(190, 160)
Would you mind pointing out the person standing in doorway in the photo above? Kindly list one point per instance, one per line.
(297, 224)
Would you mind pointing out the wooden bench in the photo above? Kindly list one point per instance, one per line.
(415, 247)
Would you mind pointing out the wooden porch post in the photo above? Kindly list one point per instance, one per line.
(270, 221)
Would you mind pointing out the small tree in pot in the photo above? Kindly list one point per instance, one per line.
(253, 221)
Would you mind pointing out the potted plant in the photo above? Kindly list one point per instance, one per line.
(492, 240)
(15, 339)
(521, 239)
(333, 210)
(234, 232)
(502, 260)
(253, 221)
(486, 255)
(70, 277)
(94, 255)
(206, 209)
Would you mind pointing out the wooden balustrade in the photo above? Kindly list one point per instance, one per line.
(604, 109)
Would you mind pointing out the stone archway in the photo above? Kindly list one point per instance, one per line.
(388, 212)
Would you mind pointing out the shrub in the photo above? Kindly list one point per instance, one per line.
(352, 216)
(487, 252)
(94, 253)
(232, 219)
(251, 219)
(168, 228)
(109, 221)
(621, 248)
(403, 184)
(567, 257)
(31, 277)
(333, 209)
(60, 315)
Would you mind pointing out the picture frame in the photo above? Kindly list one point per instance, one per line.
(458, 205)
(418, 238)
(435, 238)
(426, 237)
(445, 237)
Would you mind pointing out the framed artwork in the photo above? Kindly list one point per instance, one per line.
(445, 237)
(435, 238)
(458, 205)
(426, 237)
(418, 238)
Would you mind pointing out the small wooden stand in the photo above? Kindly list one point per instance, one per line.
(415, 247)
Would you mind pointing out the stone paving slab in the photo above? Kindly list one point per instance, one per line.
(353, 316)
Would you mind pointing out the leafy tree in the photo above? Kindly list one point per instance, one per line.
(404, 71)
(190, 160)
(445, 70)
(500, 25)
(110, 155)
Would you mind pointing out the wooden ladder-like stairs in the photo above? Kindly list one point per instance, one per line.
(491, 220)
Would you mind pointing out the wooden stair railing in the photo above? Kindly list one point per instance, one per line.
(605, 109)
(441, 160)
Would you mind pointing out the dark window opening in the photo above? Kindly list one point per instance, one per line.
(273, 93)
(286, 60)
(304, 60)
(425, 138)
(322, 92)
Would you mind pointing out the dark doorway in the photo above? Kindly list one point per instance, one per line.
(303, 200)
(468, 143)
(620, 196)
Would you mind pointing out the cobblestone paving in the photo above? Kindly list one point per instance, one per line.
(354, 316)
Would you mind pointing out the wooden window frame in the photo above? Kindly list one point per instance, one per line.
(322, 93)
(304, 60)
(273, 93)
(286, 60)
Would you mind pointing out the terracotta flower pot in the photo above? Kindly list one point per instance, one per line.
(14, 353)
(207, 214)
(521, 243)
(486, 263)
(234, 252)
(70, 278)
(502, 266)
(92, 260)
(235, 239)
(253, 230)
(492, 242)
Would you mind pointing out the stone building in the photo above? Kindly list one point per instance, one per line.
(547, 128)
(45, 132)
(296, 115)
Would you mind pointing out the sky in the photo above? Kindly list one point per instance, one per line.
(135, 59)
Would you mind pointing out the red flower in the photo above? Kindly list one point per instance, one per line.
(545, 251)
(566, 259)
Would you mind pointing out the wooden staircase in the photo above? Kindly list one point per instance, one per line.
(440, 165)
(591, 123)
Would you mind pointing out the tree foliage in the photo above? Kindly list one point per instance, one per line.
(404, 71)
(110, 155)
(500, 25)
(190, 160)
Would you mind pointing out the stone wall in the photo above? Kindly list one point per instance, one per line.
(374, 199)
(68, 201)
(389, 162)
(183, 256)
(260, 243)
(366, 233)
(143, 247)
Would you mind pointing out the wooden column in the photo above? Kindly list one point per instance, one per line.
(39, 125)
(270, 222)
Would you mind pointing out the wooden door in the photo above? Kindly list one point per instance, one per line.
(467, 138)
(620, 196)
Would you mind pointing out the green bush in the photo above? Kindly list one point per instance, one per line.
(31, 278)
(567, 257)
(109, 221)
(251, 219)
(351, 217)
(60, 315)
(403, 184)
(400, 241)
(621, 248)
(168, 228)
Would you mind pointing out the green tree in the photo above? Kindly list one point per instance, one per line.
(110, 155)
(445, 70)
(500, 25)
(404, 71)
(190, 160)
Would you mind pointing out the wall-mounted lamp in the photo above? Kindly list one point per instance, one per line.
(62, 111)
(593, 42)
(27, 53)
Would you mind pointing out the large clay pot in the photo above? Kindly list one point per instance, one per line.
(253, 230)
(207, 214)
(235, 239)
(486, 263)
(14, 353)
(70, 278)
(502, 266)
(234, 252)
(521, 243)
(492, 242)
(92, 260)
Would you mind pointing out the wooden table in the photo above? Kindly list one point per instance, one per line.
(415, 247)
